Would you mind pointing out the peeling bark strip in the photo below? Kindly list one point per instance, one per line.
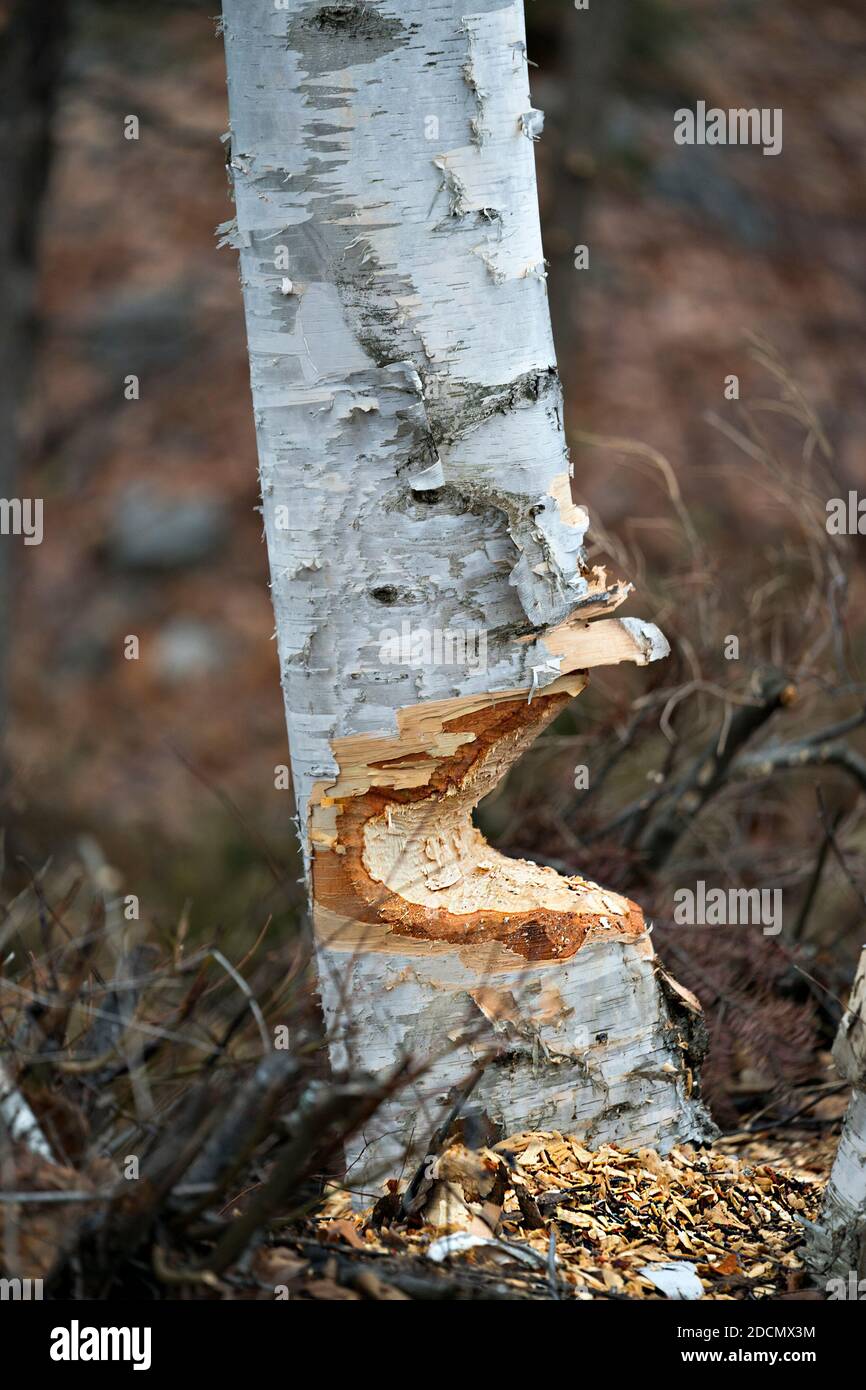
(837, 1245)
(415, 476)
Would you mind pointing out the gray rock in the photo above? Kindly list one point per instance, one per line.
(695, 177)
(186, 649)
(152, 530)
(144, 332)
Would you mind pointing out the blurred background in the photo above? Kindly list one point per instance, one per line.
(158, 772)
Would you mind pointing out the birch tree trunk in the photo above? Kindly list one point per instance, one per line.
(837, 1245)
(434, 609)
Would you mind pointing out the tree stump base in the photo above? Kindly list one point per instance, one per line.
(601, 1044)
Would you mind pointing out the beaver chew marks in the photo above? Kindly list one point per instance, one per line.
(414, 857)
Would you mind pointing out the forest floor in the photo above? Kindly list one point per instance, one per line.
(540, 1216)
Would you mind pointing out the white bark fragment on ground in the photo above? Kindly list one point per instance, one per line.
(415, 480)
(18, 1119)
(837, 1244)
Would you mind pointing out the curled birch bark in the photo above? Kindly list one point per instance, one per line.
(434, 607)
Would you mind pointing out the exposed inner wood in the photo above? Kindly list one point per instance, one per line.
(401, 848)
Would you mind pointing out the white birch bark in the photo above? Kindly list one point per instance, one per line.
(415, 480)
(837, 1245)
(18, 1120)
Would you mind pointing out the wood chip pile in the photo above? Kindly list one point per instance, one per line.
(547, 1217)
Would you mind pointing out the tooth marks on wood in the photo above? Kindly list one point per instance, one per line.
(403, 850)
